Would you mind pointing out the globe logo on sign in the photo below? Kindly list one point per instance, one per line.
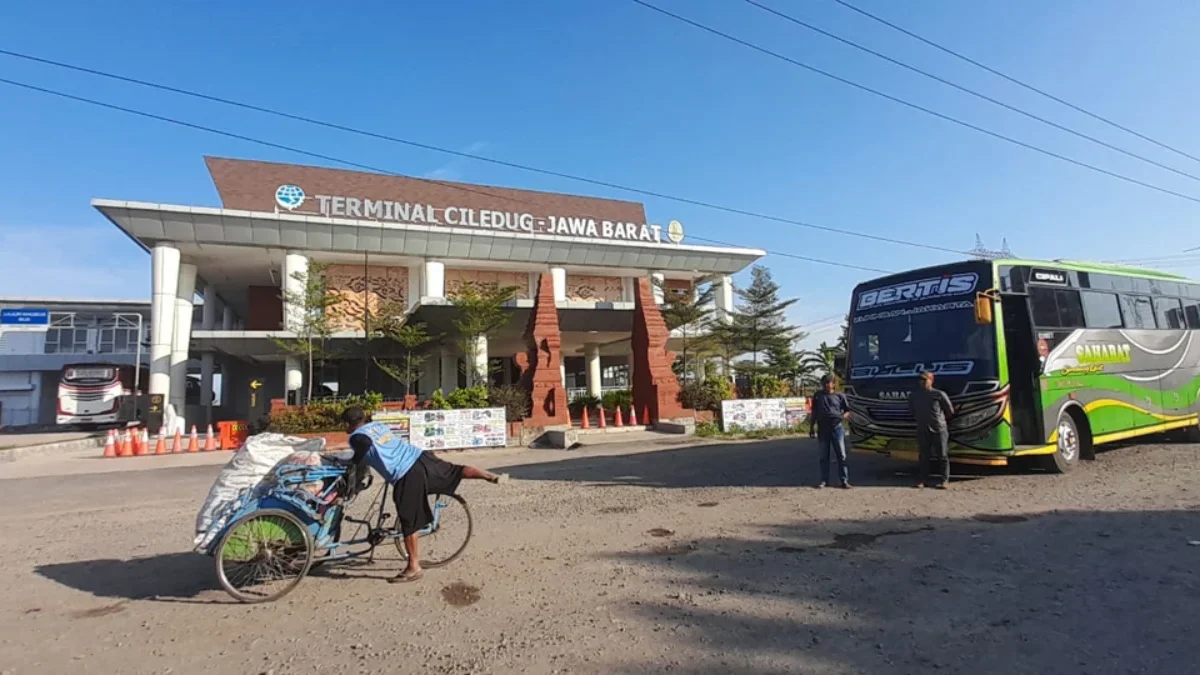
(675, 231)
(289, 197)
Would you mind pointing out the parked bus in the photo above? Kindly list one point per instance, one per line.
(1043, 361)
(93, 393)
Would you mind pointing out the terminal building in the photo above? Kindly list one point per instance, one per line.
(384, 240)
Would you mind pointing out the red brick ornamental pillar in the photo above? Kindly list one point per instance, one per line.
(539, 364)
(655, 387)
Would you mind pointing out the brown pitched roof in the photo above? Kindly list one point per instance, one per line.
(250, 185)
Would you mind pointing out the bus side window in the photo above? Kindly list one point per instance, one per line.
(1101, 310)
(1169, 312)
(1138, 311)
(1191, 312)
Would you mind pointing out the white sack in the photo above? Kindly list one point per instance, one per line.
(245, 471)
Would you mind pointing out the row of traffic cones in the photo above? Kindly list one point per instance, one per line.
(618, 421)
(136, 442)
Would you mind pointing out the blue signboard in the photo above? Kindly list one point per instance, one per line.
(29, 319)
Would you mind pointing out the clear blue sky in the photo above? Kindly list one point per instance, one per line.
(611, 90)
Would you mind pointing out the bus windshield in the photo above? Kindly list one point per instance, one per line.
(924, 323)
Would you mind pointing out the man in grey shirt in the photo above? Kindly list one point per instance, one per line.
(931, 408)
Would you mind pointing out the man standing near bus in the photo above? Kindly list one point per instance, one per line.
(829, 408)
(931, 408)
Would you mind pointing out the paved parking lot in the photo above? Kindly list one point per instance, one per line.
(714, 558)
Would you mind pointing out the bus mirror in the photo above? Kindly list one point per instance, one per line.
(983, 308)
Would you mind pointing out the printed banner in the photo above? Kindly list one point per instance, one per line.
(750, 414)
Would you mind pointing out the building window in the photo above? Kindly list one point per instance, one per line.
(66, 341)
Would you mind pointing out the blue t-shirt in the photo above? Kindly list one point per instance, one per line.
(384, 451)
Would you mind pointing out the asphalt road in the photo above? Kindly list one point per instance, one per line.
(705, 559)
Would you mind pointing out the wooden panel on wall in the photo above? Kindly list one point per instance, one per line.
(265, 311)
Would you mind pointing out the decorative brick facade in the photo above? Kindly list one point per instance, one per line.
(655, 387)
(593, 288)
(362, 288)
(456, 278)
(540, 363)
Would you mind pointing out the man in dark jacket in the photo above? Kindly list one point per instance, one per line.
(931, 408)
(829, 408)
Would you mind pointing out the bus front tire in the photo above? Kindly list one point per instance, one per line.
(1070, 445)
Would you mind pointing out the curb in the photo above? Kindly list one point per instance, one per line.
(62, 447)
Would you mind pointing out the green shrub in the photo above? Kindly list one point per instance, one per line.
(321, 415)
(514, 400)
(468, 397)
(765, 386)
(707, 429)
(706, 395)
(622, 398)
(437, 401)
(582, 401)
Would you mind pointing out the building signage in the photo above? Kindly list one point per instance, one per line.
(24, 319)
(292, 198)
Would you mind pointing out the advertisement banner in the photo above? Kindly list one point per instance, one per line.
(448, 429)
(751, 414)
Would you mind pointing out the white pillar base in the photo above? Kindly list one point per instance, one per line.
(591, 354)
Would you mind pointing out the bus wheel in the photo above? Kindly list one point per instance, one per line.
(1069, 448)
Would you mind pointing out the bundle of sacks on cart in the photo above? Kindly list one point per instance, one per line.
(248, 475)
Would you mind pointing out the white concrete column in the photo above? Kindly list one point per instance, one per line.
(293, 374)
(430, 370)
(295, 279)
(591, 354)
(656, 285)
(559, 275)
(627, 289)
(449, 360)
(226, 318)
(723, 298)
(208, 311)
(478, 373)
(562, 372)
(433, 282)
(414, 287)
(164, 280)
(206, 384)
(185, 292)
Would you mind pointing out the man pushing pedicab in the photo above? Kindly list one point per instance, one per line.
(414, 475)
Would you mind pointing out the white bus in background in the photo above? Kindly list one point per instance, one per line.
(92, 394)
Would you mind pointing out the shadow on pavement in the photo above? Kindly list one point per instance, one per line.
(1060, 592)
(174, 577)
(781, 463)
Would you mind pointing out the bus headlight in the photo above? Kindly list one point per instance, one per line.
(976, 418)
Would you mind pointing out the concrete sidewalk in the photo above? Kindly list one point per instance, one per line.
(22, 446)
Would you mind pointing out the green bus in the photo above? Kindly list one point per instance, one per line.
(1043, 361)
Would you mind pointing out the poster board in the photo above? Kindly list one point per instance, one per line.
(751, 414)
(449, 429)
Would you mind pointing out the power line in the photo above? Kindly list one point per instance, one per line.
(914, 106)
(331, 158)
(466, 155)
(1020, 83)
(972, 92)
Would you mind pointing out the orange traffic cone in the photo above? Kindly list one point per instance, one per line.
(617, 422)
(145, 439)
(177, 445)
(110, 444)
(160, 446)
(585, 424)
(210, 440)
(126, 449)
(603, 424)
(632, 416)
(194, 441)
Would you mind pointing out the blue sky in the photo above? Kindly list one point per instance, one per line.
(613, 91)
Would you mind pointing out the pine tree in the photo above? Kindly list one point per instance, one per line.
(759, 323)
(691, 316)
